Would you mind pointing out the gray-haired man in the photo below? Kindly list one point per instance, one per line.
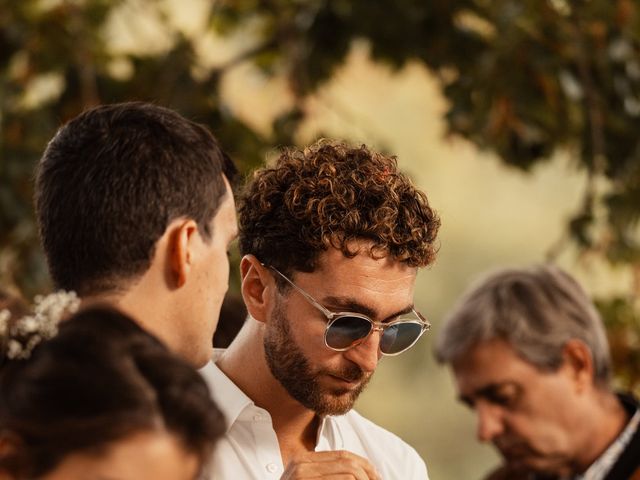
(529, 354)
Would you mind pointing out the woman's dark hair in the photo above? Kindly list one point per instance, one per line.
(100, 379)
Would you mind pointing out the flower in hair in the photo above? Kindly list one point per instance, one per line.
(27, 332)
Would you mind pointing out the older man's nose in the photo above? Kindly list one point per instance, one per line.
(490, 421)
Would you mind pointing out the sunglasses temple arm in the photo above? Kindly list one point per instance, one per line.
(309, 298)
(426, 322)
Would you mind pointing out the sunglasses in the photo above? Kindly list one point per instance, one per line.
(346, 330)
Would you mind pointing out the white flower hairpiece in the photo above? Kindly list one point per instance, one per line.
(23, 335)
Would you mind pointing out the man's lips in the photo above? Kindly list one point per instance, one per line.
(349, 382)
(514, 452)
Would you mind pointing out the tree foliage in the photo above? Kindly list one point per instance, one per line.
(523, 79)
(63, 50)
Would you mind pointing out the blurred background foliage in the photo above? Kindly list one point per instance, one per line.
(522, 79)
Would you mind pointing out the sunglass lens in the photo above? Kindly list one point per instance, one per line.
(397, 338)
(345, 331)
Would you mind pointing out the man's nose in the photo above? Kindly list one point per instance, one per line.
(490, 421)
(366, 354)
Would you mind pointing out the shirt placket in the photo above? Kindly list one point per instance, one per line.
(266, 443)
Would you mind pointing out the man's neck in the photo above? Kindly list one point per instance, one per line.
(148, 308)
(606, 422)
(295, 426)
(112, 299)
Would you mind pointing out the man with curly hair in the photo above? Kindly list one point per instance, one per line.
(332, 237)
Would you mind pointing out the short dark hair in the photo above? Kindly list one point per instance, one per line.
(109, 183)
(99, 380)
(328, 195)
(536, 310)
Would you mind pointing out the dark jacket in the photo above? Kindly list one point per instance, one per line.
(627, 467)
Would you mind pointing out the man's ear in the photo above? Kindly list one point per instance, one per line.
(579, 362)
(182, 244)
(257, 287)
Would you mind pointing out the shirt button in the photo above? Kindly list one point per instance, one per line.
(272, 468)
(257, 417)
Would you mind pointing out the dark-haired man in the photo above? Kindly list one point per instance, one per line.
(529, 354)
(135, 209)
(332, 238)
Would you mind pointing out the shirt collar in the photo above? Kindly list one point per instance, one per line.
(232, 402)
(601, 467)
(229, 398)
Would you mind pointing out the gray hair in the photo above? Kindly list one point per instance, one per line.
(536, 310)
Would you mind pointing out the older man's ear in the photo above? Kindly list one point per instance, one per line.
(578, 361)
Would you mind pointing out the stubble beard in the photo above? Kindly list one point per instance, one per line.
(293, 370)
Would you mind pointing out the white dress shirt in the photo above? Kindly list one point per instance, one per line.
(250, 450)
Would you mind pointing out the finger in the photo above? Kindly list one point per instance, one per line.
(330, 456)
(325, 470)
(310, 464)
(339, 476)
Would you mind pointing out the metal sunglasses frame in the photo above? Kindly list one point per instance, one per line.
(332, 317)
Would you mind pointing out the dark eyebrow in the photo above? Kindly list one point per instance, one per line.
(469, 399)
(487, 392)
(348, 304)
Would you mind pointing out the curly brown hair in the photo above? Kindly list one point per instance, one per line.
(329, 195)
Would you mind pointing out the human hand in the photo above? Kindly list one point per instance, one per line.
(334, 465)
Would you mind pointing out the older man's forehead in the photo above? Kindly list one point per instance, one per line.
(491, 362)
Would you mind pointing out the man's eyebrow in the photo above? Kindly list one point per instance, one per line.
(469, 399)
(488, 391)
(352, 305)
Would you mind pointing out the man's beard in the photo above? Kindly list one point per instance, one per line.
(293, 370)
(520, 455)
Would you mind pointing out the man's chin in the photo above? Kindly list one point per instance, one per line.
(340, 397)
(517, 456)
(336, 403)
(528, 461)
